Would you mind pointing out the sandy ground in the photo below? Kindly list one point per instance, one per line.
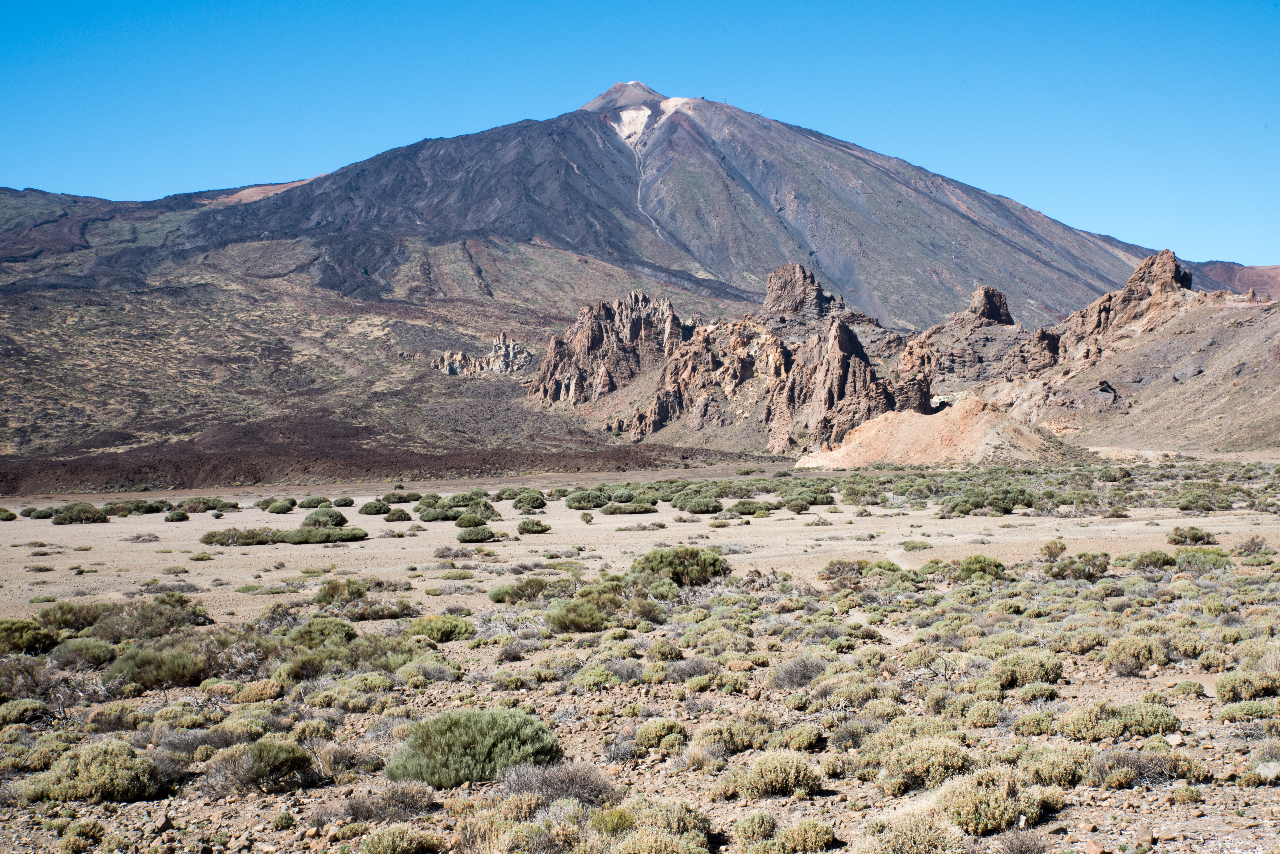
(99, 562)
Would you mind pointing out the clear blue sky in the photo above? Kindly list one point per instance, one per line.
(1158, 123)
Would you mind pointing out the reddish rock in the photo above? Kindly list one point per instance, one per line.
(793, 290)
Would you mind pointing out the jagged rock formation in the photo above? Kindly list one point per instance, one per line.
(1156, 288)
(977, 345)
(607, 347)
(798, 372)
(504, 357)
(792, 289)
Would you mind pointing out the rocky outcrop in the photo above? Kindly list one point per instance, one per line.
(977, 345)
(989, 304)
(793, 290)
(504, 357)
(1154, 292)
(798, 373)
(607, 347)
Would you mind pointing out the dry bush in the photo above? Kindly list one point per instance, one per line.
(580, 780)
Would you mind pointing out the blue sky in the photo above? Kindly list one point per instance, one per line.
(1158, 123)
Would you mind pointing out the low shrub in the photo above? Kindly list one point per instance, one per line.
(401, 839)
(581, 781)
(472, 745)
(585, 500)
(344, 501)
(1123, 769)
(992, 799)
(374, 508)
(468, 520)
(397, 514)
(1191, 536)
(268, 765)
(575, 615)
(22, 711)
(24, 636)
(922, 764)
(481, 534)
(108, 770)
(1025, 668)
(324, 517)
(532, 526)
(280, 507)
(627, 509)
(807, 835)
(661, 733)
(780, 773)
(80, 513)
(1237, 686)
(684, 565)
(916, 833)
(177, 516)
(442, 628)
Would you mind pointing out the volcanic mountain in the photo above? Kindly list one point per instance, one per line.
(369, 299)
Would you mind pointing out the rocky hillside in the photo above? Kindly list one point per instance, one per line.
(1154, 367)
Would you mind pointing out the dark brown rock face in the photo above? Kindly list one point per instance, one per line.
(990, 304)
(799, 383)
(793, 290)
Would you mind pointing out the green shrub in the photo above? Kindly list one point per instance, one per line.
(401, 839)
(700, 505)
(315, 536)
(575, 615)
(374, 508)
(472, 745)
(83, 654)
(80, 513)
(532, 526)
(1024, 668)
(442, 628)
(22, 711)
(916, 833)
(481, 534)
(177, 516)
(107, 770)
(397, 514)
(984, 714)
(529, 500)
(684, 565)
(280, 507)
(24, 636)
(451, 514)
(807, 835)
(469, 520)
(627, 509)
(522, 591)
(1237, 686)
(992, 799)
(7, 515)
(756, 827)
(780, 774)
(324, 517)
(344, 501)
(1246, 710)
(311, 502)
(922, 764)
(1155, 559)
(657, 732)
(586, 500)
(973, 565)
(323, 631)
(239, 537)
(401, 497)
(158, 664)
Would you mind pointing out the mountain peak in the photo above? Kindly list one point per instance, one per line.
(621, 95)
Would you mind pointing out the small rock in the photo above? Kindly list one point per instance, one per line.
(1058, 829)
(1174, 739)
(1142, 835)
(1093, 846)
(1269, 772)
